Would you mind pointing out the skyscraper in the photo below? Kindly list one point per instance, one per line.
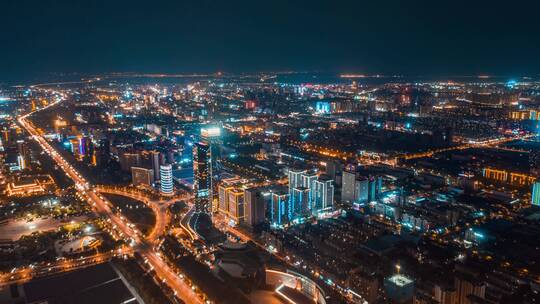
(333, 169)
(279, 206)
(295, 178)
(254, 206)
(308, 179)
(348, 184)
(211, 135)
(165, 173)
(236, 205)
(202, 172)
(299, 205)
(374, 188)
(535, 196)
(154, 157)
(322, 193)
(361, 190)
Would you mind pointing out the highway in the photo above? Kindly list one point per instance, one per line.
(101, 207)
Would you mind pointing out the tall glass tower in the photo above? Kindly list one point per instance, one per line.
(166, 176)
(202, 173)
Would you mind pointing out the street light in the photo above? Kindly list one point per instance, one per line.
(398, 268)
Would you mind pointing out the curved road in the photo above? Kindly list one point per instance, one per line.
(158, 207)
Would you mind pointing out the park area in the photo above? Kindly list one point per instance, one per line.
(135, 211)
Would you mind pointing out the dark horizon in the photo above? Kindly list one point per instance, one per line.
(425, 38)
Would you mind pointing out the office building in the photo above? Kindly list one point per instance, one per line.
(142, 176)
(202, 173)
(223, 197)
(254, 206)
(236, 205)
(166, 177)
(224, 187)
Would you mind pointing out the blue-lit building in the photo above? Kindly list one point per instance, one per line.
(361, 190)
(202, 177)
(295, 178)
(322, 194)
(166, 177)
(323, 107)
(299, 202)
(535, 196)
(279, 208)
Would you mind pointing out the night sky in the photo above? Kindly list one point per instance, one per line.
(405, 37)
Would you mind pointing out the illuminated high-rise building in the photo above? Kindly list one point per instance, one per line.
(301, 185)
(299, 202)
(279, 206)
(254, 206)
(361, 190)
(142, 176)
(83, 142)
(535, 195)
(322, 193)
(236, 205)
(166, 176)
(154, 160)
(21, 162)
(211, 135)
(348, 184)
(308, 179)
(23, 158)
(202, 172)
(295, 178)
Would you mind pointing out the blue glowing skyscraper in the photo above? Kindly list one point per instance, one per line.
(279, 208)
(535, 195)
(322, 193)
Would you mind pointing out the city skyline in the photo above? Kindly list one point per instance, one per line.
(278, 152)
